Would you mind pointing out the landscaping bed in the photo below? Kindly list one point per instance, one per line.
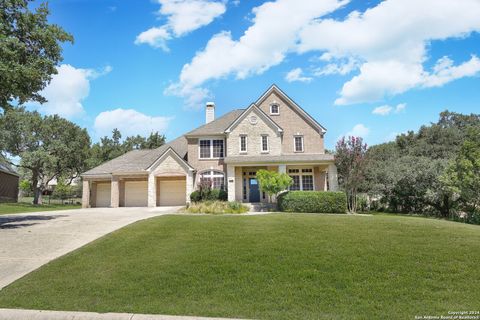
(216, 207)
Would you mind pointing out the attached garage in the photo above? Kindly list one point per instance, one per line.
(136, 193)
(103, 195)
(172, 192)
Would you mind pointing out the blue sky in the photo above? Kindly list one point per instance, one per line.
(367, 68)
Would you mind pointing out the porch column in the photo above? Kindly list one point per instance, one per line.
(86, 194)
(231, 182)
(282, 168)
(152, 190)
(189, 185)
(115, 193)
(332, 177)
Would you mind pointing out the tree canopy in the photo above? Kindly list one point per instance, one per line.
(30, 50)
(49, 147)
(409, 174)
(109, 148)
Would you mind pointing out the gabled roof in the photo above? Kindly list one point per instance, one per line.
(5, 168)
(217, 126)
(170, 151)
(139, 160)
(253, 107)
(296, 107)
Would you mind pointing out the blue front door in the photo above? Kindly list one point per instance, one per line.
(254, 194)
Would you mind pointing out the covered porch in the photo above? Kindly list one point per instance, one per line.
(243, 185)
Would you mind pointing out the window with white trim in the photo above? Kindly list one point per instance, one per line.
(243, 143)
(216, 179)
(302, 179)
(274, 109)
(298, 143)
(211, 148)
(264, 142)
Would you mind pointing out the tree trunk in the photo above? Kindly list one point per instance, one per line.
(37, 191)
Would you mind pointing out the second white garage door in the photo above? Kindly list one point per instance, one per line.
(136, 193)
(172, 192)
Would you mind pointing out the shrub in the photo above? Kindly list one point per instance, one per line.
(210, 195)
(216, 207)
(195, 196)
(313, 201)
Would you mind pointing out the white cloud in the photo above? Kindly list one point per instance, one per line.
(296, 75)
(155, 37)
(444, 71)
(386, 109)
(340, 67)
(183, 16)
(68, 89)
(391, 40)
(382, 110)
(129, 122)
(271, 37)
(359, 130)
(400, 107)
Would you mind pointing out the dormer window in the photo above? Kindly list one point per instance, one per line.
(274, 109)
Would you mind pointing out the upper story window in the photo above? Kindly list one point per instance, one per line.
(211, 148)
(274, 108)
(243, 143)
(264, 143)
(298, 143)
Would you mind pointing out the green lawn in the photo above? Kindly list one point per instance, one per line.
(22, 207)
(277, 266)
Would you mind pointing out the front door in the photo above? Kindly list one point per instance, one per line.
(254, 194)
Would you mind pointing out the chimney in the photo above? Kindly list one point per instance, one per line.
(210, 112)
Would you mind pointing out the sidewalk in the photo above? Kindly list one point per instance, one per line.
(20, 314)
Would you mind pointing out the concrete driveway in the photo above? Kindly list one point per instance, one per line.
(28, 241)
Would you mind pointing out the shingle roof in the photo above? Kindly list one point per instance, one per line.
(138, 160)
(7, 169)
(217, 126)
(284, 158)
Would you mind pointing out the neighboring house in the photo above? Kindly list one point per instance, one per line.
(9, 181)
(274, 133)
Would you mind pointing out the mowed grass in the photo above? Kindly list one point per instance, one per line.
(22, 207)
(276, 266)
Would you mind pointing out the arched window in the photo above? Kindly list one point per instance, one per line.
(216, 179)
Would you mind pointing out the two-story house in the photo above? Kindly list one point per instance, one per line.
(274, 133)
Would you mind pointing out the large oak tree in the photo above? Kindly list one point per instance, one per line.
(49, 147)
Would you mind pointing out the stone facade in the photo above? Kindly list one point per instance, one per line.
(254, 131)
(293, 123)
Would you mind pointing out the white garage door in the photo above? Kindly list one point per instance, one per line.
(172, 193)
(136, 193)
(103, 195)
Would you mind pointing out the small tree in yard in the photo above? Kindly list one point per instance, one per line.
(272, 183)
(351, 164)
